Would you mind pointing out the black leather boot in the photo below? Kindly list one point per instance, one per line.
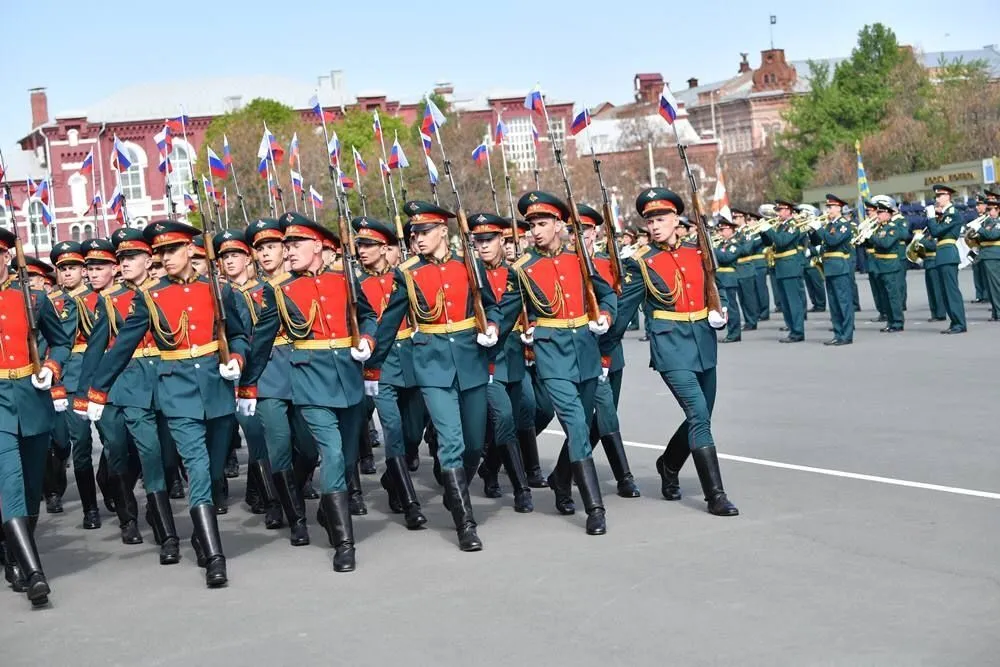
(273, 518)
(406, 495)
(430, 437)
(669, 463)
(127, 510)
(585, 475)
(54, 483)
(232, 469)
(11, 568)
(366, 460)
(20, 541)
(355, 492)
(220, 495)
(303, 469)
(339, 529)
(615, 450)
(108, 484)
(174, 483)
(293, 504)
(528, 442)
(252, 497)
(456, 491)
(389, 486)
(510, 454)
(561, 483)
(87, 487)
(161, 519)
(706, 461)
(206, 534)
(489, 472)
(413, 461)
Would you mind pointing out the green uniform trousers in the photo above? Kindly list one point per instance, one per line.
(878, 295)
(336, 432)
(731, 301)
(283, 431)
(459, 418)
(606, 403)
(502, 402)
(115, 427)
(935, 293)
(841, 299)
(695, 393)
(536, 411)
(253, 431)
(749, 303)
(22, 466)
(201, 443)
(574, 406)
(891, 286)
(815, 288)
(792, 299)
(763, 296)
(980, 281)
(953, 303)
(401, 415)
(991, 273)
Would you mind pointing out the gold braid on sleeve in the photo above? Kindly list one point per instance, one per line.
(112, 314)
(252, 306)
(84, 317)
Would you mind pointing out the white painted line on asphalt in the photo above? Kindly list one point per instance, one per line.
(826, 471)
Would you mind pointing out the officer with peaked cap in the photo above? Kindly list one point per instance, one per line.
(834, 239)
(945, 227)
(789, 269)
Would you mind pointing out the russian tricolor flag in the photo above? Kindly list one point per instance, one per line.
(262, 167)
(668, 106)
(95, 204)
(346, 182)
(227, 157)
(534, 133)
(165, 166)
(209, 188)
(317, 108)
(334, 149)
(190, 203)
(359, 164)
(317, 198)
(377, 127)
(426, 141)
(46, 214)
(296, 182)
(397, 160)
(164, 140)
(533, 100)
(383, 166)
(178, 124)
(580, 123)
(500, 133)
(86, 167)
(117, 200)
(42, 192)
(293, 148)
(480, 155)
(433, 118)
(432, 172)
(119, 157)
(216, 165)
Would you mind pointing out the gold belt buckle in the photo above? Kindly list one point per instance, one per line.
(12, 374)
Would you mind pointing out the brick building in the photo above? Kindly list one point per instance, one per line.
(56, 146)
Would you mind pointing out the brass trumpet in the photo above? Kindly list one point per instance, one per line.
(972, 231)
(865, 230)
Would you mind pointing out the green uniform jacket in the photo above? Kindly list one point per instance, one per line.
(507, 356)
(673, 345)
(989, 232)
(324, 377)
(905, 234)
(438, 358)
(946, 226)
(25, 411)
(612, 352)
(745, 269)
(785, 239)
(275, 380)
(134, 388)
(835, 240)
(727, 255)
(185, 387)
(886, 242)
(929, 244)
(78, 325)
(397, 368)
(566, 354)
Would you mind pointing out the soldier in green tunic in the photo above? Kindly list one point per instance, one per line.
(728, 253)
(979, 279)
(746, 273)
(945, 228)
(788, 270)
(885, 240)
(813, 272)
(834, 239)
(988, 236)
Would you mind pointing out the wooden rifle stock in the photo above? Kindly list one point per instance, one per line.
(218, 307)
(347, 243)
(614, 251)
(708, 259)
(476, 283)
(29, 308)
(587, 269)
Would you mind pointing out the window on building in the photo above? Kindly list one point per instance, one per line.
(662, 177)
(78, 193)
(74, 233)
(180, 177)
(4, 220)
(88, 231)
(133, 180)
(38, 234)
(557, 131)
(73, 137)
(520, 143)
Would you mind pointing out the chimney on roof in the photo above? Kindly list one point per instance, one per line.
(745, 64)
(648, 87)
(337, 80)
(445, 89)
(692, 82)
(39, 107)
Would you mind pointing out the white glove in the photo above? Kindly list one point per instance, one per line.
(61, 404)
(815, 224)
(230, 371)
(488, 339)
(600, 327)
(809, 252)
(362, 352)
(718, 320)
(371, 387)
(246, 406)
(528, 337)
(491, 379)
(765, 227)
(604, 372)
(43, 380)
(94, 411)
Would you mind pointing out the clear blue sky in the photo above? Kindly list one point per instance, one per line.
(588, 53)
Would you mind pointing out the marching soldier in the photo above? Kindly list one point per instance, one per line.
(989, 254)
(834, 237)
(130, 411)
(400, 410)
(236, 264)
(74, 435)
(565, 344)
(26, 418)
(945, 227)
(284, 429)
(503, 393)
(728, 253)
(932, 278)
(746, 274)
(668, 280)
(813, 272)
(871, 267)
(979, 279)
(450, 359)
(889, 269)
(756, 250)
(311, 305)
(788, 269)
(195, 389)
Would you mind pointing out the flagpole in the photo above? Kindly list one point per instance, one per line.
(311, 201)
(100, 165)
(333, 168)
(277, 183)
(194, 181)
(291, 168)
(489, 172)
(225, 201)
(382, 167)
(506, 176)
(357, 175)
(302, 178)
(236, 182)
(385, 160)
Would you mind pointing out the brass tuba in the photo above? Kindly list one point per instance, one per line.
(915, 249)
(972, 230)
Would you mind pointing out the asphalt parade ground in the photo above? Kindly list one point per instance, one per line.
(867, 477)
